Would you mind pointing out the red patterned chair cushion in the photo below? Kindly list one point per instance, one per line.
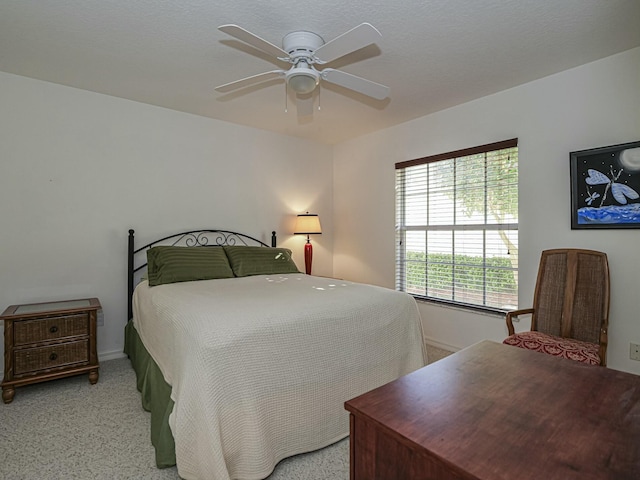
(569, 348)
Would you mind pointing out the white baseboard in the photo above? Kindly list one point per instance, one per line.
(113, 355)
(445, 346)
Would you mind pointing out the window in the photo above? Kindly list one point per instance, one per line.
(457, 227)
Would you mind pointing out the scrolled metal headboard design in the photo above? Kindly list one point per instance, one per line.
(193, 238)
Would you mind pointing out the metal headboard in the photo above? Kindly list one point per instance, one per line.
(193, 238)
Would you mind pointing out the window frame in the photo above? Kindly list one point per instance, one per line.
(402, 229)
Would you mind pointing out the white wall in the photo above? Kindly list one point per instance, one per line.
(78, 169)
(594, 105)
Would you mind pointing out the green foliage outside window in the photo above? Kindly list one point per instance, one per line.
(493, 277)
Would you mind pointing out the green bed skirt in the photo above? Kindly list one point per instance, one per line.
(156, 396)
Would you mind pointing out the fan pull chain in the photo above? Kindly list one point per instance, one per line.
(286, 95)
(319, 90)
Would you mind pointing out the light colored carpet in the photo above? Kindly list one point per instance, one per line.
(67, 429)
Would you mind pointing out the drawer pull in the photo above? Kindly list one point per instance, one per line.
(53, 329)
(53, 356)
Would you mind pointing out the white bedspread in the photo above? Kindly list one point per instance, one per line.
(260, 367)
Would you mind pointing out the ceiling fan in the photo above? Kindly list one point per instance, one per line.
(303, 50)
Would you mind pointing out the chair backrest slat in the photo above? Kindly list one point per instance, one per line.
(569, 293)
(548, 299)
(591, 301)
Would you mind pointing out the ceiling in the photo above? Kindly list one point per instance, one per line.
(434, 54)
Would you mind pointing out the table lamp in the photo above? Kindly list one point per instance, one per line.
(308, 224)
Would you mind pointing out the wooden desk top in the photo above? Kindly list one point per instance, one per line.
(493, 411)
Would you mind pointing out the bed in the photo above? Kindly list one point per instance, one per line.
(242, 365)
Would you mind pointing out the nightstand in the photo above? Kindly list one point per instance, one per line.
(46, 341)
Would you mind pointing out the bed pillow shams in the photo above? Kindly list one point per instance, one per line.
(169, 264)
(246, 261)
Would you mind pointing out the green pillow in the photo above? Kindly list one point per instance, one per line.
(247, 261)
(166, 264)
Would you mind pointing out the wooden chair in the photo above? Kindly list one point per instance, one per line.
(570, 313)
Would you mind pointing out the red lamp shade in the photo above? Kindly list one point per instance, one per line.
(308, 224)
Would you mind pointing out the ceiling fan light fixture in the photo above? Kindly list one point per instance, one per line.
(302, 83)
(302, 78)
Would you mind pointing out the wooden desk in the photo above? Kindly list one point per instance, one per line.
(492, 412)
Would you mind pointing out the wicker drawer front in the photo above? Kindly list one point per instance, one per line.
(39, 330)
(41, 358)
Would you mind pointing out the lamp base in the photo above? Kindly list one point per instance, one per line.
(308, 256)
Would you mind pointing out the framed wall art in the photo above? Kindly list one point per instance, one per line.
(605, 187)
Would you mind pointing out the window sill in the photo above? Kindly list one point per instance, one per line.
(490, 311)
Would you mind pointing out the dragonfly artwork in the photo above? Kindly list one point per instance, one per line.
(620, 191)
(605, 186)
(591, 196)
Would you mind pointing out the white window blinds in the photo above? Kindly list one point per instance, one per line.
(457, 226)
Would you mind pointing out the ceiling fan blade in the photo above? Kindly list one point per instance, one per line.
(248, 81)
(253, 40)
(304, 105)
(355, 39)
(358, 84)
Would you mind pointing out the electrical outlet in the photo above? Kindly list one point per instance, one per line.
(100, 320)
(634, 351)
